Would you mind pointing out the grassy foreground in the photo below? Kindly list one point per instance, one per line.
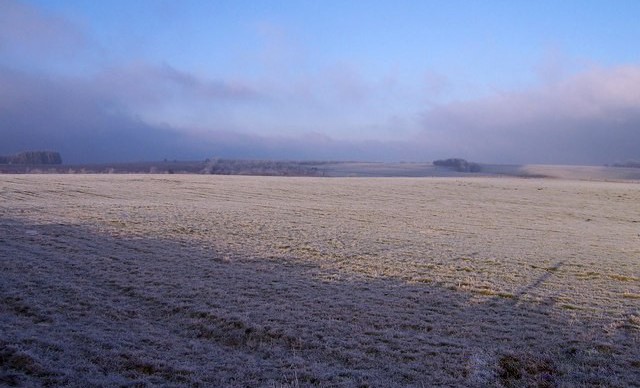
(120, 280)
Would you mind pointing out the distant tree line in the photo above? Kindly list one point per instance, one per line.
(32, 158)
(629, 163)
(258, 167)
(457, 164)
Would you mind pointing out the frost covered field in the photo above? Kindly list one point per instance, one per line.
(255, 281)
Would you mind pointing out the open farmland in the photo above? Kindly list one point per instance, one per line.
(260, 281)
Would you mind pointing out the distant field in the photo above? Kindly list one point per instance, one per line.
(202, 280)
(331, 169)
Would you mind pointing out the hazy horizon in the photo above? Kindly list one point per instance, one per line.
(499, 82)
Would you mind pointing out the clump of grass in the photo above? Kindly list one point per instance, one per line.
(13, 360)
(526, 371)
(588, 275)
(623, 278)
(132, 366)
(605, 348)
(118, 223)
(490, 292)
(487, 292)
(510, 368)
(630, 295)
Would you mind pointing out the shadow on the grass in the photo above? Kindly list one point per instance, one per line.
(85, 308)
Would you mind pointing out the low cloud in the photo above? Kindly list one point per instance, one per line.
(590, 118)
(90, 122)
(40, 113)
(143, 83)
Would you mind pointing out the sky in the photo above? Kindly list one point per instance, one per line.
(515, 82)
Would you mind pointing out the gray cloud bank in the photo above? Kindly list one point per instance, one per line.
(592, 118)
(95, 120)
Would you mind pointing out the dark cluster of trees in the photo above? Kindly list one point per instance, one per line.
(459, 165)
(258, 167)
(32, 158)
(629, 163)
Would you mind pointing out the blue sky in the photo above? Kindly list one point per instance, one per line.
(493, 81)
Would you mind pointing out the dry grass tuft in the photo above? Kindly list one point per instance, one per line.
(16, 364)
(623, 278)
(524, 370)
(630, 295)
